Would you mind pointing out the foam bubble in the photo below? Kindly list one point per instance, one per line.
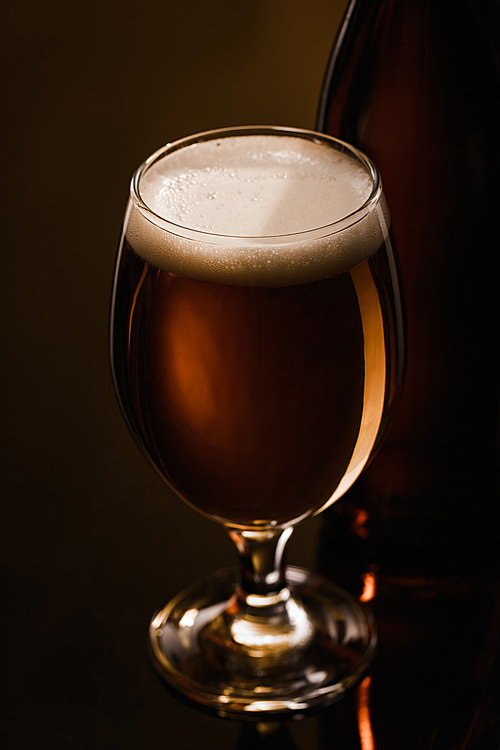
(256, 209)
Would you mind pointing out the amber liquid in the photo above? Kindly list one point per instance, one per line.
(253, 403)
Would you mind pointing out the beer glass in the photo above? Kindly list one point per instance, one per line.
(256, 348)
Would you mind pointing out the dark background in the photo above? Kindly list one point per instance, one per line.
(91, 540)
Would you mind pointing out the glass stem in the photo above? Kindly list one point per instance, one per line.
(266, 619)
(262, 564)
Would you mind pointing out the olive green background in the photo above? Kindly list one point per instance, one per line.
(91, 541)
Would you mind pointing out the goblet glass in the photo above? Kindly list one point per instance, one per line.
(256, 347)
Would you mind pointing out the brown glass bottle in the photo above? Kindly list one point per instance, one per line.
(416, 85)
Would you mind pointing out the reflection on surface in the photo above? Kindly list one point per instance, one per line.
(435, 683)
(275, 736)
(369, 587)
(363, 714)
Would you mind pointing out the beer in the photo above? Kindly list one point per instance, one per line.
(254, 332)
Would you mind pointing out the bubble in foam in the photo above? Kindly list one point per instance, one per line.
(265, 205)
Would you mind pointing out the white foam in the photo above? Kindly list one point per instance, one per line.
(256, 209)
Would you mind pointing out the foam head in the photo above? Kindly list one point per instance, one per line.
(246, 208)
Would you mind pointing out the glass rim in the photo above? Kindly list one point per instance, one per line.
(246, 130)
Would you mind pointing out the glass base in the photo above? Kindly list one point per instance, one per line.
(318, 643)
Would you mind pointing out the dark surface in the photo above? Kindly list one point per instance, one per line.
(82, 678)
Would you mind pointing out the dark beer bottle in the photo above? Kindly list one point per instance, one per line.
(416, 85)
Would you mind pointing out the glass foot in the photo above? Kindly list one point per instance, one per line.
(242, 660)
